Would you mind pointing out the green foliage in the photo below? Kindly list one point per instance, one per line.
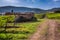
(39, 16)
(53, 15)
(48, 15)
(21, 33)
(5, 19)
(2, 36)
(24, 28)
(2, 21)
(11, 18)
(11, 36)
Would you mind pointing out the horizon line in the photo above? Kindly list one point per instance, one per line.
(30, 7)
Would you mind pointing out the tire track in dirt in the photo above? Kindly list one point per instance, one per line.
(52, 30)
(45, 31)
(57, 36)
(39, 34)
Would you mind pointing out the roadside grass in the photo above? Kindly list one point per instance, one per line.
(58, 26)
(55, 16)
(44, 31)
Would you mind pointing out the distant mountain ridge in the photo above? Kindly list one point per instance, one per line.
(19, 9)
(25, 9)
(53, 9)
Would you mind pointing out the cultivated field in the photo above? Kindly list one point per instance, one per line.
(46, 28)
(23, 31)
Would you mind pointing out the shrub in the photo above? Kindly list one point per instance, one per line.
(58, 11)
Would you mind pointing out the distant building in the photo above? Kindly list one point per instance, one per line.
(27, 16)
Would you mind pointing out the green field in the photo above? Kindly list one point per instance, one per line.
(25, 30)
(48, 16)
(53, 15)
(22, 33)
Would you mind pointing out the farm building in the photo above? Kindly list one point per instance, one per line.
(22, 17)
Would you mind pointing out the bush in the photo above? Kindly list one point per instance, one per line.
(58, 11)
(33, 19)
(20, 19)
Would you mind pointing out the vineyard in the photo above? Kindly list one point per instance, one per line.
(23, 31)
(6, 19)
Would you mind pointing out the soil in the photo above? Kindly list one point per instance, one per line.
(46, 31)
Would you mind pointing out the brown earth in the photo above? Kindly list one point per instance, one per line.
(46, 31)
(57, 32)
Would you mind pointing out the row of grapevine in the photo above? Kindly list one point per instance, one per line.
(5, 19)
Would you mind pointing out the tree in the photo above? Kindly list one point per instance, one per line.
(12, 11)
(58, 11)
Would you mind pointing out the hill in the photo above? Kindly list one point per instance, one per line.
(19, 9)
(53, 9)
(25, 9)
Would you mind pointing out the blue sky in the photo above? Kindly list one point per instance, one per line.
(43, 4)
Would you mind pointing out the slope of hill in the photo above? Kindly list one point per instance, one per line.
(25, 9)
(53, 9)
(20, 9)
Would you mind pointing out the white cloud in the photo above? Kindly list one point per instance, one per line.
(16, 3)
(33, 0)
(55, 0)
(11, 1)
(30, 0)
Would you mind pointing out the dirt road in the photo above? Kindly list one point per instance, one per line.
(51, 31)
(45, 31)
